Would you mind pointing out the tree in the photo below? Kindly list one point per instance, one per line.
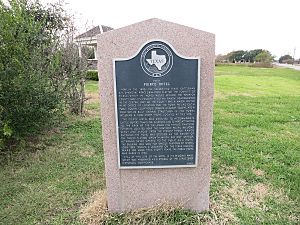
(236, 56)
(250, 55)
(264, 57)
(286, 59)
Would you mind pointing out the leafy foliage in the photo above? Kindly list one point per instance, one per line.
(286, 59)
(92, 75)
(236, 56)
(264, 57)
(35, 74)
(244, 56)
(250, 55)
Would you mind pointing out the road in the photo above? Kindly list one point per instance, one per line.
(288, 66)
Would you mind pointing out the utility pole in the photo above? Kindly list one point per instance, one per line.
(294, 55)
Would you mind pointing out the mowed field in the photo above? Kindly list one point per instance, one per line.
(58, 178)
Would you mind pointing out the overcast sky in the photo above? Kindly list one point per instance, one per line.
(269, 24)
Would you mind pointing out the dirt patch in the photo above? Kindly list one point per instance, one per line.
(258, 172)
(92, 97)
(87, 153)
(244, 194)
(260, 191)
(91, 113)
(231, 169)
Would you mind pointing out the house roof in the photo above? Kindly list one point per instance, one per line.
(94, 31)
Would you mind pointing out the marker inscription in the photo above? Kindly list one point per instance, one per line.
(157, 115)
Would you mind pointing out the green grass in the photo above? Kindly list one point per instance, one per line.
(259, 110)
(257, 127)
(234, 80)
(91, 86)
(49, 183)
(255, 170)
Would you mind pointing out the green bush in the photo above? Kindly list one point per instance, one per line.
(92, 75)
(39, 73)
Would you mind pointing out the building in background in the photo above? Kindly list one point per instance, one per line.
(88, 39)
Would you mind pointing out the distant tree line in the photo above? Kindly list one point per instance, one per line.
(241, 56)
(254, 56)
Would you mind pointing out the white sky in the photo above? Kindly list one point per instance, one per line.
(269, 24)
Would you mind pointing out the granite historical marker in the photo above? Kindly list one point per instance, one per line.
(156, 95)
(157, 106)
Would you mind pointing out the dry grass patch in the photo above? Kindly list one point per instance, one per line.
(244, 194)
(95, 212)
(219, 95)
(87, 153)
(91, 113)
(232, 194)
(223, 95)
(92, 97)
(250, 195)
(258, 172)
(222, 214)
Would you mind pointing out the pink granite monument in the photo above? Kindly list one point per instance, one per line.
(156, 95)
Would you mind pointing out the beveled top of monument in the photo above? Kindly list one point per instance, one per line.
(153, 21)
(160, 29)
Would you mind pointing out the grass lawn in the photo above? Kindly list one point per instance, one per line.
(255, 171)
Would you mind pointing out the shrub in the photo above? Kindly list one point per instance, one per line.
(261, 65)
(231, 64)
(39, 70)
(28, 99)
(72, 71)
(264, 58)
(92, 75)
